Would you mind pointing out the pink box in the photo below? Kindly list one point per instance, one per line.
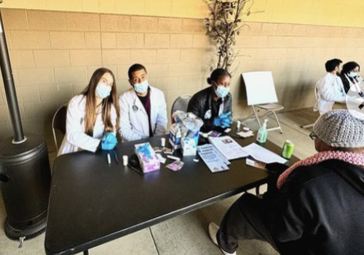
(147, 158)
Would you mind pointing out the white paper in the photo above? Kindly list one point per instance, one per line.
(212, 158)
(228, 147)
(262, 154)
(256, 164)
(245, 134)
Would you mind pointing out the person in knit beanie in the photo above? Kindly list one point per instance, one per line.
(316, 206)
(339, 129)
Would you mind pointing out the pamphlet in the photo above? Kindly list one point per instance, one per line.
(217, 154)
(176, 165)
(254, 163)
(228, 147)
(207, 148)
(212, 158)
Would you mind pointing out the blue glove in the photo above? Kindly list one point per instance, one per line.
(108, 142)
(224, 120)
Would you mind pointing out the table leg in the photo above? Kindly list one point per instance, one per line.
(257, 190)
(85, 252)
(307, 126)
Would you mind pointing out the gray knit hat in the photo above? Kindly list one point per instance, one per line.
(339, 128)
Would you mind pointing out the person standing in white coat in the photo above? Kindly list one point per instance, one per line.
(93, 116)
(330, 89)
(143, 111)
(350, 78)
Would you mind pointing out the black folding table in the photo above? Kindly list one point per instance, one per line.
(92, 203)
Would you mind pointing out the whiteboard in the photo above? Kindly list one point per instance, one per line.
(260, 88)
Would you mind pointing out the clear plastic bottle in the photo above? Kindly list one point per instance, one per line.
(263, 133)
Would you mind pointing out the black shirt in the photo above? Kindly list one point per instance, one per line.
(200, 104)
(215, 107)
(147, 106)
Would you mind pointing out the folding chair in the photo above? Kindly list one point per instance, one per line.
(59, 124)
(181, 104)
(261, 94)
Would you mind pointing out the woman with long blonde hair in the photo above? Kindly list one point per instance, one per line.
(93, 116)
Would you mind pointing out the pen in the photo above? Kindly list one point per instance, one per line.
(108, 159)
(116, 158)
(173, 157)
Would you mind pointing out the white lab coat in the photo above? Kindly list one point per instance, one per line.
(76, 139)
(329, 90)
(134, 123)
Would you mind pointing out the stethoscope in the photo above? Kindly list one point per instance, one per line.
(208, 113)
(135, 107)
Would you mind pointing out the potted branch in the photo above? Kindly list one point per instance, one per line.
(223, 25)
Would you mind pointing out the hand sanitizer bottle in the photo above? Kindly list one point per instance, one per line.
(262, 133)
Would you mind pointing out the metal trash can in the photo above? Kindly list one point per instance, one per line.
(25, 178)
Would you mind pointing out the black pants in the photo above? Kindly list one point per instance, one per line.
(244, 220)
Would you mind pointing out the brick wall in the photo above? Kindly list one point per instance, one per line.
(314, 12)
(54, 54)
(296, 55)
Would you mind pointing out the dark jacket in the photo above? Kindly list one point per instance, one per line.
(319, 210)
(200, 103)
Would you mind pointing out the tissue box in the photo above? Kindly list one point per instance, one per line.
(188, 146)
(148, 159)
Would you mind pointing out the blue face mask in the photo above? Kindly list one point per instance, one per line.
(102, 90)
(221, 91)
(141, 87)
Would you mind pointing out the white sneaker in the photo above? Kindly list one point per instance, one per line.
(213, 228)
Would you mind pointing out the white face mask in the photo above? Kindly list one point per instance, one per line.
(141, 87)
(221, 91)
(352, 74)
(102, 90)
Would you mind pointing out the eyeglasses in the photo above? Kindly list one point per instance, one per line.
(313, 136)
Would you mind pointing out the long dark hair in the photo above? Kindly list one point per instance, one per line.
(347, 68)
(89, 93)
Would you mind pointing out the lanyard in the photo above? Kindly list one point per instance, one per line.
(208, 113)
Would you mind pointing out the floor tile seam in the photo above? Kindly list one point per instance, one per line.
(154, 241)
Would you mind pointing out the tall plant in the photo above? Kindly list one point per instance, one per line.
(223, 25)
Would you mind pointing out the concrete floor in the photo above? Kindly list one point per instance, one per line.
(186, 234)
